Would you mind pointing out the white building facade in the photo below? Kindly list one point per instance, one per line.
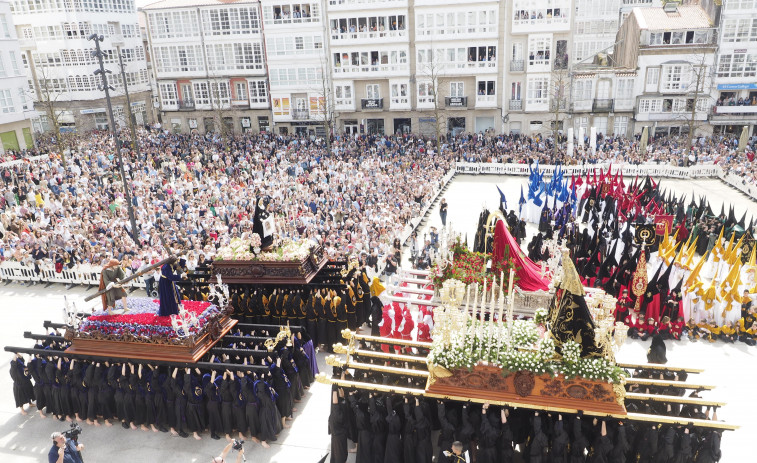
(209, 65)
(60, 67)
(298, 66)
(673, 50)
(537, 43)
(370, 57)
(15, 106)
(458, 47)
(440, 67)
(736, 69)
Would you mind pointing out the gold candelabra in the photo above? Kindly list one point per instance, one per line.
(608, 334)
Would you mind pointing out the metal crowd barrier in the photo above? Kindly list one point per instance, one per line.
(628, 170)
(81, 274)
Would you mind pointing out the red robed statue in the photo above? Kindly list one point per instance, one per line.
(529, 276)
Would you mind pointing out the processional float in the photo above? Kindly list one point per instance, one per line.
(562, 360)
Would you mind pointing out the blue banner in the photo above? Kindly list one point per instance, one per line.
(737, 86)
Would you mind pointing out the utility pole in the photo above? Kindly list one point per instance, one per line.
(132, 121)
(104, 74)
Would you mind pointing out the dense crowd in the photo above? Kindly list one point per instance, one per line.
(199, 191)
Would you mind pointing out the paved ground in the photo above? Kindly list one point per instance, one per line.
(25, 438)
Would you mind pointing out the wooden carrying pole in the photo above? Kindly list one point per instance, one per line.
(657, 419)
(137, 361)
(664, 383)
(152, 267)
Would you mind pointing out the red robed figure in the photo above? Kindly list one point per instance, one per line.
(528, 273)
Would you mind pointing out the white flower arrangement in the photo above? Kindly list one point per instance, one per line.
(540, 316)
(524, 351)
(287, 251)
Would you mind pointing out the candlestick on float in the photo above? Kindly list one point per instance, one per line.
(492, 301)
(467, 299)
(501, 307)
(472, 329)
(501, 281)
(510, 303)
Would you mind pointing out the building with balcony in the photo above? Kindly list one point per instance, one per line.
(536, 36)
(457, 65)
(672, 49)
(736, 69)
(15, 105)
(370, 65)
(602, 97)
(59, 66)
(298, 66)
(208, 62)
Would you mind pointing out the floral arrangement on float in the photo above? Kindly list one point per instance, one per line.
(467, 266)
(526, 346)
(482, 352)
(142, 320)
(248, 249)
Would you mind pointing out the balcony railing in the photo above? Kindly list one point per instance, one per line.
(485, 101)
(372, 103)
(602, 105)
(186, 105)
(368, 34)
(300, 114)
(558, 105)
(733, 114)
(517, 65)
(240, 104)
(516, 105)
(735, 109)
(456, 101)
(290, 20)
(370, 68)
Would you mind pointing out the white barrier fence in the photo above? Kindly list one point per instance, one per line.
(82, 274)
(628, 170)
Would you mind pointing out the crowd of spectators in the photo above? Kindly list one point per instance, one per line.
(199, 191)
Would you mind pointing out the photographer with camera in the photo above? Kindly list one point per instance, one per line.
(236, 444)
(64, 450)
(457, 455)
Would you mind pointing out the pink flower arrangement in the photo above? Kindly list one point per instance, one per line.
(147, 323)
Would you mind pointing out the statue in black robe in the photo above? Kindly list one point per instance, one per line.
(262, 223)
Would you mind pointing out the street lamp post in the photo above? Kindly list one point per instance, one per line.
(104, 74)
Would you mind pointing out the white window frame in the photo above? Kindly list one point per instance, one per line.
(344, 95)
(457, 89)
(240, 91)
(399, 93)
(425, 93)
(373, 91)
(537, 92)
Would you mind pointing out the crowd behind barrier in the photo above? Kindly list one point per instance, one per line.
(708, 170)
(364, 196)
(88, 275)
(79, 274)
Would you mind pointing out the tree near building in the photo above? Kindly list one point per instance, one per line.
(696, 81)
(430, 85)
(220, 104)
(48, 95)
(559, 92)
(325, 108)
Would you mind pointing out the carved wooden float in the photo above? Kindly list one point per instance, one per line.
(189, 349)
(271, 272)
(523, 387)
